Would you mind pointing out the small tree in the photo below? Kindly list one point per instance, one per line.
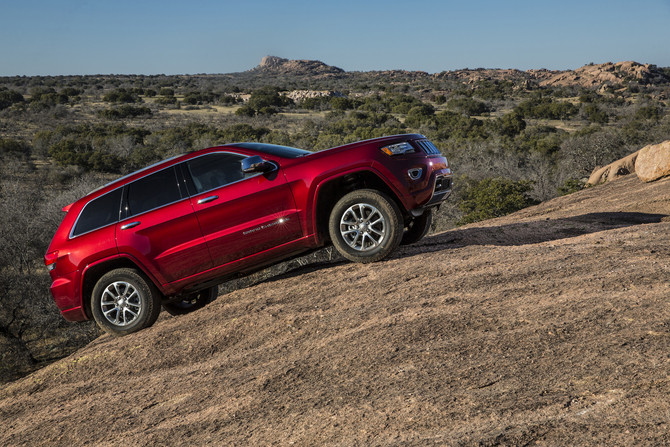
(245, 111)
(420, 114)
(512, 124)
(494, 197)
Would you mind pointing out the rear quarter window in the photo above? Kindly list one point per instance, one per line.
(153, 191)
(99, 212)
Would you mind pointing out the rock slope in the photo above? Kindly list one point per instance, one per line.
(550, 326)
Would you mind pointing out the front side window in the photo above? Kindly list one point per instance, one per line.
(99, 212)
(153, 191)
(215, 170)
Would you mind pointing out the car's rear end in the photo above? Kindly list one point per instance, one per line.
(68, 255)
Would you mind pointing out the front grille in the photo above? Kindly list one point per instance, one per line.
(428, 147)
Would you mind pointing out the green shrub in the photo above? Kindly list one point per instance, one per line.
(571, 185)
(468, 106)
(120, 95)
(512, 124)
(546, 108)
(14, 148)
(125, 111)
(245, 111)
(9, 97)
(315, 103)
(419, 114)
(454, 125)
(166, 101)
(493, 197)
(595, 115)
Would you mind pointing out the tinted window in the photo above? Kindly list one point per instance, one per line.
(153, 191)
(215, 170)
(99, 212)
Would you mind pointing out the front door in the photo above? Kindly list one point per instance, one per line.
(241, 215)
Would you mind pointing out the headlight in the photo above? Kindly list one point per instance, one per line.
(397, 149)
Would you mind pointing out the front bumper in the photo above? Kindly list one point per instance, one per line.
(441, 190)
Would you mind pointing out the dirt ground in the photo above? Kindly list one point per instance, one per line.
(550, 326)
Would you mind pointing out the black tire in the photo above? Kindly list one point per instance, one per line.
(125, 301)
(192, 302)
(365, 226)
(417, 228)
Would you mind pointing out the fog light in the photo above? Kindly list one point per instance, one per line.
(414, 173)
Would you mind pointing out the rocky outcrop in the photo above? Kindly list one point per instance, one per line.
(280, 66)
(301, 95)
(649, 163)
(614, 170)
(598, 75)
(473, 76)
(653, 162)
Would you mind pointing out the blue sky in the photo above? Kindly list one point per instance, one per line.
(67, 37)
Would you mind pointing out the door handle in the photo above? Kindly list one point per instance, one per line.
(207, 199)
(131, 225)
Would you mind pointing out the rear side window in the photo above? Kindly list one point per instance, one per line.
(215, 170)
(153, 191)
(99, 212)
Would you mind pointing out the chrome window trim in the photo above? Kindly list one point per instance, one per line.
(135, 172)
(119, 219)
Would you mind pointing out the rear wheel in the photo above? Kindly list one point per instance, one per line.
(365, 226)
(125, 301)
(417, 228)
(192, 302)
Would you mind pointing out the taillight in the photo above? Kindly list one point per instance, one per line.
(50, 260)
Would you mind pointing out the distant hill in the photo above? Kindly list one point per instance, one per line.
(593, 76)
(279, 66)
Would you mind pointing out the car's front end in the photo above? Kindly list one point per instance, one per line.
(421, 174)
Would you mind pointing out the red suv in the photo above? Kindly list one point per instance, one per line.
(167, 235)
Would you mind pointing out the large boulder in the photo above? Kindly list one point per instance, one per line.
(608, 173)
(653, 162)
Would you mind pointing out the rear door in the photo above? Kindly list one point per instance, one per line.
(241, 215)
(160, 228)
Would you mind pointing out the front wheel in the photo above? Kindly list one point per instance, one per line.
(125, 301)
(365, 226)
(192, 302)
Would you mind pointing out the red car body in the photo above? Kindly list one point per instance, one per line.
(200, 239)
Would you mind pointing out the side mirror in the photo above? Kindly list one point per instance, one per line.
(256, 164)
